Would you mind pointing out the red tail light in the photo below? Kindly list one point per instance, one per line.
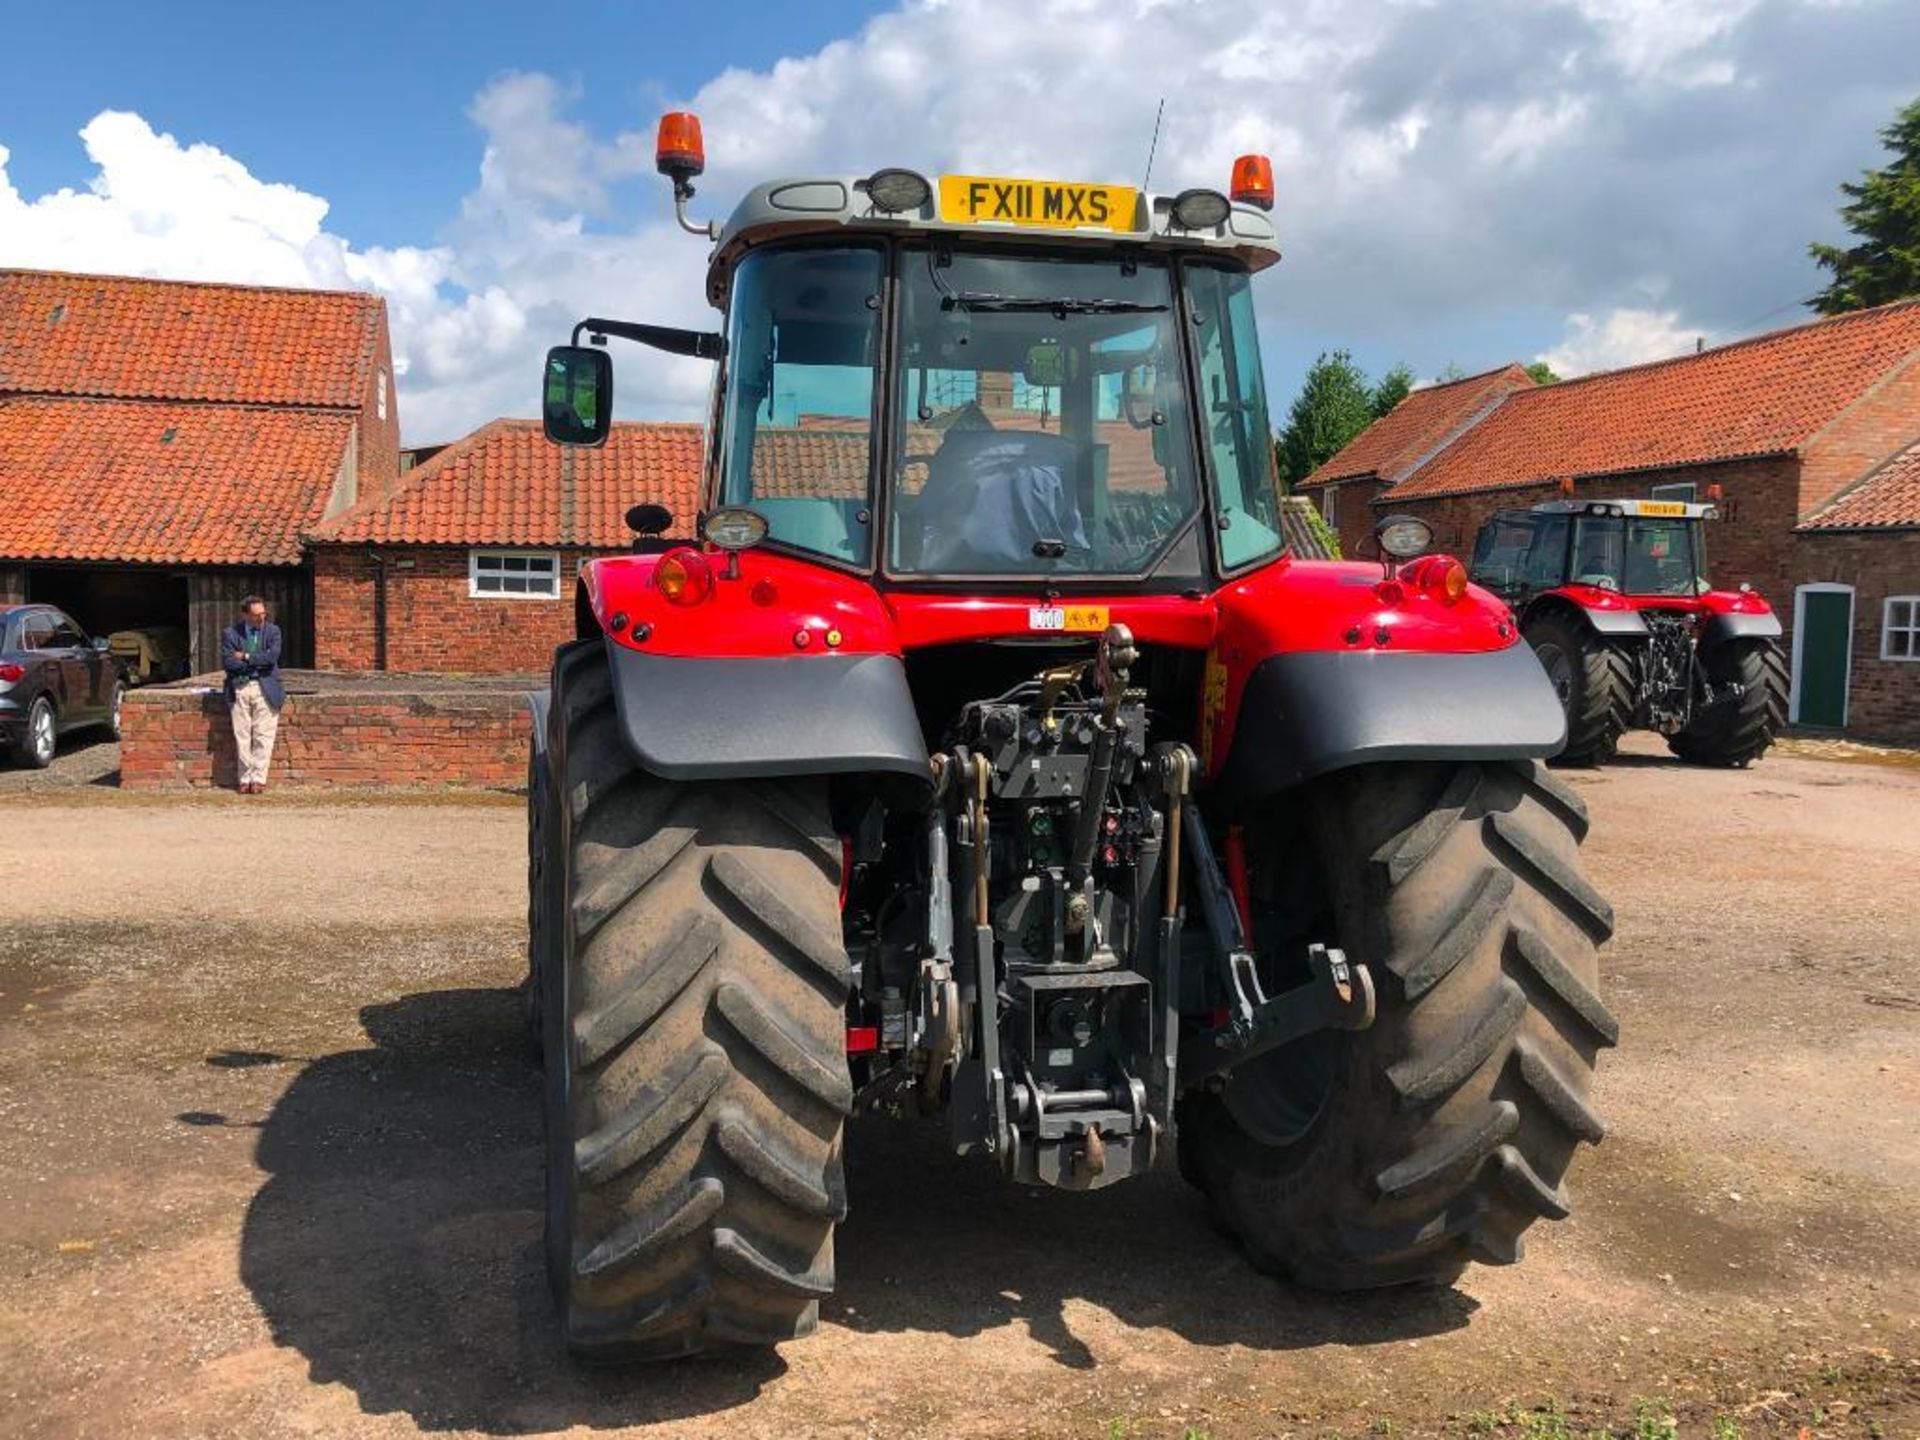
(10, 673)
(683, 576)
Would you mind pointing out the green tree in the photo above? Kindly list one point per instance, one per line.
(1335, 404)
(1542, 373)
(1883, 209)
(1392, 389)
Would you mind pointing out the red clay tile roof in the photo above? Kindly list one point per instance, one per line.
(1419, 425)
(158, 482)
(1888, 499)
(70, 334)
(1765, 396)
(505, 485)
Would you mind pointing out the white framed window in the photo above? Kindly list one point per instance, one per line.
(380, 396)
(1678, 490)
(1900, 628)
(513, 575)
(1330, 504)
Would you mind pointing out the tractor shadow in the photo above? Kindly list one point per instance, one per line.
(396, 1242)
(396, 1245)
(940, 1243)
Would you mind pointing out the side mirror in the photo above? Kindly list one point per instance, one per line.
(576, 399)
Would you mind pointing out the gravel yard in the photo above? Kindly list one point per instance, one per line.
(269, 1164)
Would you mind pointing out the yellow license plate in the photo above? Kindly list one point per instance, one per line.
(1052, 204)
(1662, 507)
(1076, 619)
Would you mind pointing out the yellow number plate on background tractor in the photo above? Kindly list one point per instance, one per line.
(1076, 619)
(1053, 204)
(1662, 507)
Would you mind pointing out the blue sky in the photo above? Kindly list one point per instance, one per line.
(1463, 182)
(362, 101)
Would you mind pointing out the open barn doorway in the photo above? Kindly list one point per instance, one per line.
(140, 609)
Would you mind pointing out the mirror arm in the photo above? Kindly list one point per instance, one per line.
(701, 344)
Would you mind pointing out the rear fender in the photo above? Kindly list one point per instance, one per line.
(1316, 670)
(1601, 611)
(1720, 629)
(1727, 615)
(787, 668)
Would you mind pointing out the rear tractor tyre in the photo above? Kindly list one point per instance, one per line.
(1737, 732)
(1594, 681)
(1399, 1154)
(696, 1067)
(539, 928)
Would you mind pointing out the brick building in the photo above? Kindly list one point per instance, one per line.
(1805, 434)
(468, 566)
(164, 445)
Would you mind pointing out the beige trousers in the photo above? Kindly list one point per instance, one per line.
(254, 725)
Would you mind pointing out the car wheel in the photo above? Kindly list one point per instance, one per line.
(37, 743)
(113, 709)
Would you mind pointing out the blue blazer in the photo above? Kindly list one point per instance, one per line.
(263, 665)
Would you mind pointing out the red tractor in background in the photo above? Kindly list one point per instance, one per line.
(979, 755)
(1613, 597)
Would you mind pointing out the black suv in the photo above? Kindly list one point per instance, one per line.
(52, 679)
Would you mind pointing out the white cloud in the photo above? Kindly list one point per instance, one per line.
(1451, 176)
(1620, 337)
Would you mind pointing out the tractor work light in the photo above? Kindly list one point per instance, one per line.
(1200, 209)
(1253, 181)
(678, 150)
(683, 576)
(734, 527)
(893, 190)
(1403, 536)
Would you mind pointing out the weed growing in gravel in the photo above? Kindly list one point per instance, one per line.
(1653, 1421)
(1724, 1428)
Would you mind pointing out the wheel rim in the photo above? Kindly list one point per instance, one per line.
(1280, 1098)
(1559, 671)
(42, 732)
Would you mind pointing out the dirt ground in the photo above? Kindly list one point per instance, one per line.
(269, 1165)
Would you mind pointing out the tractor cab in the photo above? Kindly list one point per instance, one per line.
(1648, 551)
(980, 380)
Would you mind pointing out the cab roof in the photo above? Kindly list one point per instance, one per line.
(1656, 509)
(824, 205)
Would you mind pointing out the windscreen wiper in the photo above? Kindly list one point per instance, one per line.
(989, 303)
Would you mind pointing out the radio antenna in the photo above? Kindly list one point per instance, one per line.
(1154, 144)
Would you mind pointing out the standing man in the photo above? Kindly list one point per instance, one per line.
(250, 654)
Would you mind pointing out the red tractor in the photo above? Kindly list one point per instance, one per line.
(978, 755)
(1613, 597)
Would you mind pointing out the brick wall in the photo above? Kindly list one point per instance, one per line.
(173, 737)
(1351, 502)
(1883, 696)
(379, 439)
(433, 623)
(1882, 422)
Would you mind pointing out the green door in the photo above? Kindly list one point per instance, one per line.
(1826, 636)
